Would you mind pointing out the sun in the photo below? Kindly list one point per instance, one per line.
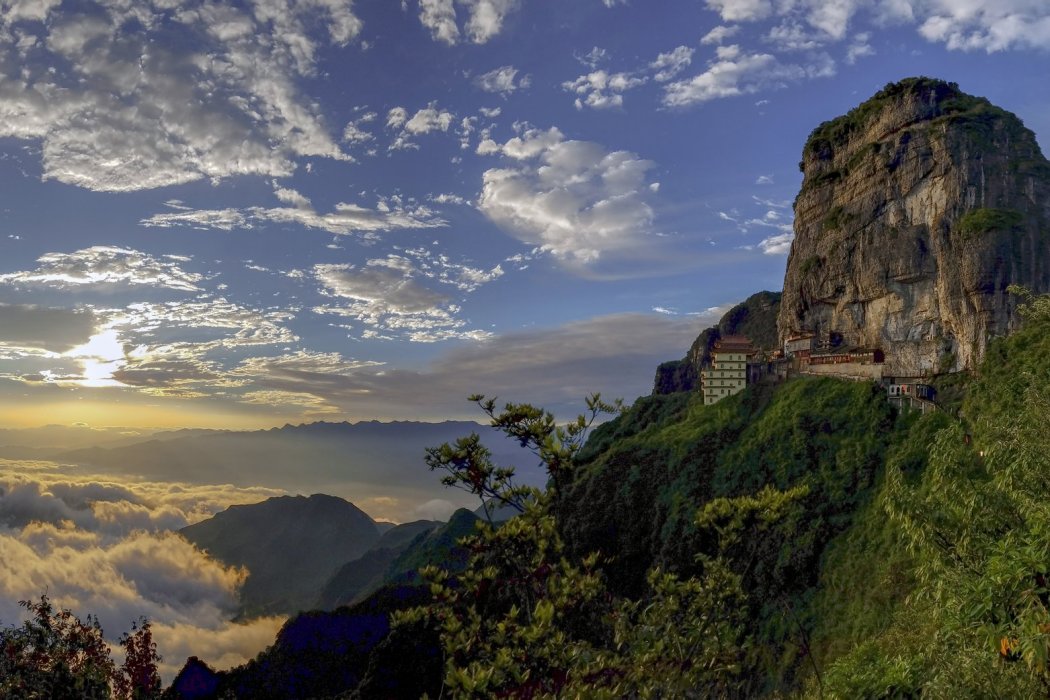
(101, 356)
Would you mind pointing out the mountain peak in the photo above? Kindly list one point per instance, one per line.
(917, 209)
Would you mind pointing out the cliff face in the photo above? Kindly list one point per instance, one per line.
(917, 209)
(756, 317)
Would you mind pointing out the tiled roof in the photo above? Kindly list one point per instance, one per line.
(734, 343)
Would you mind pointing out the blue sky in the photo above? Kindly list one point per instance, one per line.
(243, 214)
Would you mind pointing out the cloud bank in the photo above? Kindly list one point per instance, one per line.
(103, 546)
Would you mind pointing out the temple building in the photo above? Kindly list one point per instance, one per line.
(727, 374)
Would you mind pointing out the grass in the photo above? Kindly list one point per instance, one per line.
(985, 220)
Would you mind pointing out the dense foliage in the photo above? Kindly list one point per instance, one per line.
(56, 655)
(528, 620)
(973, 527)
(636, 496)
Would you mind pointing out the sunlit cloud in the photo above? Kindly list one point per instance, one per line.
(123, 96)
(344, 219)
(385, 295)
(574, 199)
(104, 546)
(484, 19)
(101, 266)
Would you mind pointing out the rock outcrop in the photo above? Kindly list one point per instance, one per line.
(917, 210)
(756, 317)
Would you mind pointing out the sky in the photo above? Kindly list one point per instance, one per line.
(242, 214)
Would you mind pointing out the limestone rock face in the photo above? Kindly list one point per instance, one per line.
(917, 210)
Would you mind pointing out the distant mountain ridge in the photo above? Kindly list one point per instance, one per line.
(322, 551)
(399, 563)
(290, 545)
(313, 457)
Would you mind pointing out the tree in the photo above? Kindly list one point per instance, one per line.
(55, 655)
(468, 463)
(138, 678)
(526, 620)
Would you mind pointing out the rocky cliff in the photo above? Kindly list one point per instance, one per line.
(756, 317)
(917, 210)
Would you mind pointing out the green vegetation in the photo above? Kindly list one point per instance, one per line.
(526, 620)
(636, 500)
(811, 264)
(952, 390)
(54, 655)
(985, 220)
(836, 132)
(836, 218)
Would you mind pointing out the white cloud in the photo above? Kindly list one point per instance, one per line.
(105, 505)
(790, 35)
(438, 266)
(144, 346)
(396, 118)
(100, 545)
(387, 295)
(382, 286)
(429, 119)
(162, 320)
(859, 48)
(293, 197)
(780, 244)
(988, 25)
(832, 18)
(601, 89)
(439, 16)
(354, 133)
(124, 99)
(593, 58)
(764, 180)
(574, 199)
(484, 19)
(345, 219)
(741, 10)
(984, 25)
(502, 80)
(105, 266)
(447, 198)
(735, 72)
(719, 34)
(668, 65)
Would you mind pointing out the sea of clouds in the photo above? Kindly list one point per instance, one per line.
(106, 546)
